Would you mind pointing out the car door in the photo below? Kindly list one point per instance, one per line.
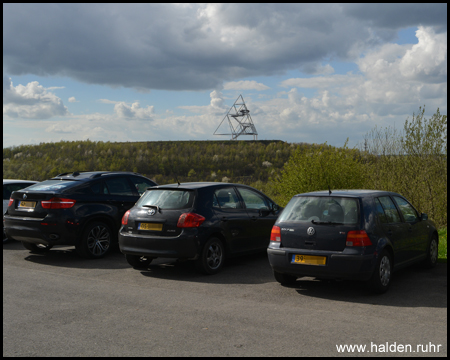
(120, 194)
(234, 219)
(394, 228)
(417, 231)
(262, 218)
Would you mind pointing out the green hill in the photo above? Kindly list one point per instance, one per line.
(249, 162)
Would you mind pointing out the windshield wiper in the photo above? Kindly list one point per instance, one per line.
(158, 209)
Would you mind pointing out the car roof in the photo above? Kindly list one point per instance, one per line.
(196, 185)
(350, 193)
(83, 175)
(15, 181)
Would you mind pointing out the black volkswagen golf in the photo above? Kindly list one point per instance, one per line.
(350, 234)
(204, 222)
(79, 208)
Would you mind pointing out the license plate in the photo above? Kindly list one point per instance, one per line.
(309, 259)
(27, 204)
(150, 226)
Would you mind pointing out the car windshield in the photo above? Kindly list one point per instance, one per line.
(167, 199)
(321, 210)
(51, 185)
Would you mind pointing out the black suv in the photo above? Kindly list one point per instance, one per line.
(80, 208)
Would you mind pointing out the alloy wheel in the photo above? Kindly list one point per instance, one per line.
(385, 271)
(98, 240)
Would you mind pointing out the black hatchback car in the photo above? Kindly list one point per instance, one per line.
(80, 208)
(350, 234)
(197, 221)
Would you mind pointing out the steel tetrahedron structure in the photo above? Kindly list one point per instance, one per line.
(239, 120)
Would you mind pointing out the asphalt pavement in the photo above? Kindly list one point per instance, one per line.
(58, 304)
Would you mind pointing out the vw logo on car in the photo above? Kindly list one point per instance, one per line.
(310, 231)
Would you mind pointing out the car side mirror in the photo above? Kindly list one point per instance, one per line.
(424, 216)
(275, 208)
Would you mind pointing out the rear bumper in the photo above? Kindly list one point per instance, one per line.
(31, 230)
(339, 265)
(186, 245)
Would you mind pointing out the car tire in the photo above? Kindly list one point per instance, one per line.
(284, 279)
(95, 241)
(36, 248)
(212, 257)
(432, 253)
(138, 262)
(382, 275)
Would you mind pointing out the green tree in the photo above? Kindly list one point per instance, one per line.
(319, 168)
(412, 163)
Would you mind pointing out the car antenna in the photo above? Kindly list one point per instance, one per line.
(329, 190)
(176, 177)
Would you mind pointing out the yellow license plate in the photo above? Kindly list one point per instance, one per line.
(309, 259)
(150, 226)
(27, 204)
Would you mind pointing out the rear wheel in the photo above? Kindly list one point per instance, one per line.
(138, 262)
(212, 257)
(95, 241)
(36, 248)
(381, 278)
(284, 279)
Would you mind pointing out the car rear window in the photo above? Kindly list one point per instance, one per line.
(167, 199)
(326, 209)
(52, 185)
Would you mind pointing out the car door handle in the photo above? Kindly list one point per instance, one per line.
(224, 218)
(254, 218)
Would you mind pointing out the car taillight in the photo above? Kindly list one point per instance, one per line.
(58, 203)
(358, 238)
(275, 235)
(10, 202)
(125, 218)
(189, 220)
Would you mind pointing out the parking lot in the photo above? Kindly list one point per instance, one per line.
(59, 304)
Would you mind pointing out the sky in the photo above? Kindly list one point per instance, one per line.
(311, 73)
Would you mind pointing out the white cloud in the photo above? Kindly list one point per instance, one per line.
(31, 101)
(134, 111)
(245, 85)
(427, 60)
(72, 99)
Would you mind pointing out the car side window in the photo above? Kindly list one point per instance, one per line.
(99, 188)
(119, 186)
(253, 200)
(380, 211)
(141, 184)
(408, 212)
(226, 198)
(392, 215)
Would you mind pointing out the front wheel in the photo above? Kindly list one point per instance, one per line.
(138, 262)
(212, 257)
(381, 278)
(95, 241)
(432, 253)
